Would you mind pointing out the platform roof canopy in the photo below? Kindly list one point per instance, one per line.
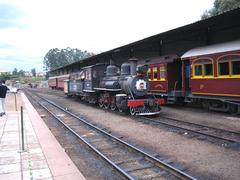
(217, 29)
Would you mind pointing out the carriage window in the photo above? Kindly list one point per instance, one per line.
(94, 73)
(208, 70)
(82, 75)
(162, 72)
(149, 74)
(88, 74)
(236, 67)
(229, 65)
(223, 68)
(100, 73)
(198, 70)
(155, 73)
(203, 68)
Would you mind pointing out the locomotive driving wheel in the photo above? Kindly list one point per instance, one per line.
(120, 110)
(132, 111)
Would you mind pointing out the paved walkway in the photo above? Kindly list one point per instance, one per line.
(42, 156)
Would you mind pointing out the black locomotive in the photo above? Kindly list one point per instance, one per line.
(115, 87)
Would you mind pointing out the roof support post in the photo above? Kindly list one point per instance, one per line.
(160, 47)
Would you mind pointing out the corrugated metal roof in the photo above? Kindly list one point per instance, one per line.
(226, 17)
(212, 49)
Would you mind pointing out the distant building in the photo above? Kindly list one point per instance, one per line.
(41, 74)
(4, 72)
(26, 73)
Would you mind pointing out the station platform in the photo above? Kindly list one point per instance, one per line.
(42, 157)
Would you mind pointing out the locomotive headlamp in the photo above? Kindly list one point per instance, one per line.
(141, 85)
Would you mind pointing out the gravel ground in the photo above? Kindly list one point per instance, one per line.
(202, 159)
(202, 116)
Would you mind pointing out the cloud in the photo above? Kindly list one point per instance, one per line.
(10, 16)
(6, 45)
(20, 62)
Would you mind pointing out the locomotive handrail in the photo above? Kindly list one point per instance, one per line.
(131, 92)
(175, 87)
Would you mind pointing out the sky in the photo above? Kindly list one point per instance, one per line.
(30, 28)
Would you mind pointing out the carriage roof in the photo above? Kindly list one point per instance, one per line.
(212, 49)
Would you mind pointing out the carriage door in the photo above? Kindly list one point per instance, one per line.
(186, 76)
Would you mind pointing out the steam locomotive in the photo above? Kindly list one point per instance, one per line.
(113, 87)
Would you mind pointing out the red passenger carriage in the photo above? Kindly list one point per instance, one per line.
(61, 79)
(215, 76)
(52, 82)
(57, 82)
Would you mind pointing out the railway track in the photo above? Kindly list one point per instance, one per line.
(191, 129)
(128, 160)
(226, 136)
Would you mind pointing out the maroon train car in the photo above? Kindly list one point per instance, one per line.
(211, 75)
(52, 82)
(165, 77)
(61, 79)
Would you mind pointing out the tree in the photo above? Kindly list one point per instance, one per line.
(21, 73)
(33, 71)
(15, 72)
(5, 76)
(56, 58)
(221, 6)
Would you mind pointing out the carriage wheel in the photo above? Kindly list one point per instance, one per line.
(100, 104)
(233, 108)
(132, 111)
(106, 106)
(113, 107)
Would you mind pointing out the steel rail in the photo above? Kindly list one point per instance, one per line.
(84, 141)
(210, 127)
(193, 131)
(190, 130)
(172, 170)
(204, 126)
(89, 145)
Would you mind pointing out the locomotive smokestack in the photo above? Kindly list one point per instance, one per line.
(133, 64)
